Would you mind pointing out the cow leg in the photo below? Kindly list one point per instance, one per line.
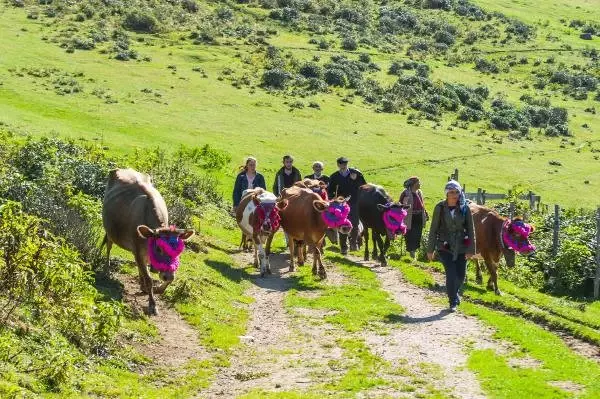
(315, 261)
(319, 261)
(108, 248)
(291, 248)
(256, 261)
(493, 280)
(301, 251)
(374, 239)
(478, 275)
(268, 245)
(263, 256)
(366, 234)
(146, 280)
(386, 246)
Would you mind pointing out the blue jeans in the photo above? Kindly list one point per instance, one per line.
(455, 274)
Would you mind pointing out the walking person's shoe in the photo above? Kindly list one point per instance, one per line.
(412, 254)
(452, 309)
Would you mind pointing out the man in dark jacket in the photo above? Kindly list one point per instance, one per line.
(317, 168)
(286, 176)
(345, 182)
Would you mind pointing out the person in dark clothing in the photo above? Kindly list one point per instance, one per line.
(451, 234)
(417, 215)
(246, 179)
(317, 168)
(345, 182)
(286, 176)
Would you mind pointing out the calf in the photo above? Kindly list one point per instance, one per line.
(305, 216)
(383, 216)
(135, 217)
(495, 236)
(258, 218)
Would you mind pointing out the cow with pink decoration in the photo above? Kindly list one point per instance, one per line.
(496, 236)
(135, 217)
(305, 216)
(258, 217)
(378, 212)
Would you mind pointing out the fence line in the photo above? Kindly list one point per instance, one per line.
(597, 278)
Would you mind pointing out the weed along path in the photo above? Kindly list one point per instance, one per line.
(276, 354)
(177, 341)
(430, 334)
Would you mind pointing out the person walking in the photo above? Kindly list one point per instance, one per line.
(345, 182)
(417, 215)
(452, 236)
(248, 178)
(317, 168)
(286, 176)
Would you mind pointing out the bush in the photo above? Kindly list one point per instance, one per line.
(276, 78)
(141, 21)
(485, 66)
(311, 70)
(336, 77)
(349, 43)
(189, 5)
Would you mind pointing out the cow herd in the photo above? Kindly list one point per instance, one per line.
(135, 218)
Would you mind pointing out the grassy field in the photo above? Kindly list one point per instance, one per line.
(165, 103)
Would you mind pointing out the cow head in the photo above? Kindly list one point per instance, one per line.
(266, 215)
(515, 237)
(316, 186)
(335, 214)
(165, 245)
(393, 214)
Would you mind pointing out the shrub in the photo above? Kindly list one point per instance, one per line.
(189, 5)
(311, 70)
(349, 43)
(276, 78)
(335, 77)
(485, 66)
(141, 21)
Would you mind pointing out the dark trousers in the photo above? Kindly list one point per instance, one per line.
(413, 236)
(353, 216)
(455, 275)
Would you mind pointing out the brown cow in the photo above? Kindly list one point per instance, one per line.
(305, 216)
(495, 236)
(258, 218)
(135, 217)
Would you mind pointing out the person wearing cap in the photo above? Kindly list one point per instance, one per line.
(286, 176)
(345, 182)
(452, 235)
(317, 168)
(417, 215)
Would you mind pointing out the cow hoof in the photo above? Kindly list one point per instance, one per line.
(314, 270)
(269, 271)
(366, 258)
(498, 292)
(300, 263)
(152, 311)
(322, 274)
(479, 281)
(291, 269)
(262, 274)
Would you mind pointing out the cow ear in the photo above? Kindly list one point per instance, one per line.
(145, 231)
(187, 233)
(320, 205)
(381, 207)
(281, 204)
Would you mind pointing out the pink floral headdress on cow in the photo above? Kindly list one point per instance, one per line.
(336, 215)
(393, 219)
(266, 211)
(522, 230)
(164, 251)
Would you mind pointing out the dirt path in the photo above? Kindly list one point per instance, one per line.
(430, 334)
(177, 342)
(277, 353)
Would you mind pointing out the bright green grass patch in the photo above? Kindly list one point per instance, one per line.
(559, 363)
(363, 373)
(262, 394)
(357, 303)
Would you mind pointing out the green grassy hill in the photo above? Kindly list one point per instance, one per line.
(178, 92)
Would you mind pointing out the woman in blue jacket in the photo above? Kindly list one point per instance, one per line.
(247, 178)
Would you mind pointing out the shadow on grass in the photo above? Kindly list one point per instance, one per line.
(229, 250)
(395, 318)
(109, 287)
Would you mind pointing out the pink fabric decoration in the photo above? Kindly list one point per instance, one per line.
(523, 230)
(172, 247)
(268, 212)
(336, 215)
(393, 219)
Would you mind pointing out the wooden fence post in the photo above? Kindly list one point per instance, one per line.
(479, 195)
(483, 197)
(511, 211)
(555, 242)
(456, 174)
(531, 200)
(597, 279)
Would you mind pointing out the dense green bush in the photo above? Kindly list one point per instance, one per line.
(141, 21)
(311, 70)
(276, 78)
